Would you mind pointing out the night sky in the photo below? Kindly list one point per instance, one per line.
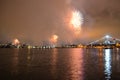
(34, 21)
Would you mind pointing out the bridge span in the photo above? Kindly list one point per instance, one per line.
(105, 42)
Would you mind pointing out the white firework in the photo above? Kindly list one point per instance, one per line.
(77, 19)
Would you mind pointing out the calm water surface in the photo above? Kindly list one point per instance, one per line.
(60, 64)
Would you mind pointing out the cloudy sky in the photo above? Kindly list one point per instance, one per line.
(33, 21)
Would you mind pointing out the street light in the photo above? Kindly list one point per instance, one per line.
(107, 36)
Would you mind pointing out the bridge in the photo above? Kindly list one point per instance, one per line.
(105, 42)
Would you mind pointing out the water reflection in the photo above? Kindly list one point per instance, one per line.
(14, 66)
(28, 57)
(54, 63)
(107, 58)
(67, 64)
(76, 64)
(60, 64)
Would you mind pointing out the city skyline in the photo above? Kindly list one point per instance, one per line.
(43, 20)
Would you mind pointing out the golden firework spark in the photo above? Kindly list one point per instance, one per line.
(16, 42)
(54, 38)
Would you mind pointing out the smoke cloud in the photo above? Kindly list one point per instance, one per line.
(34, 21)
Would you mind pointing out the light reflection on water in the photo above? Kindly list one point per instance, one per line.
(76, 64)
(107, 57)
(54, 63)
(14, 61)
(28, 57)
(60, 64)
(67, 64)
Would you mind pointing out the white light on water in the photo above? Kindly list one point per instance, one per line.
(107, 64)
